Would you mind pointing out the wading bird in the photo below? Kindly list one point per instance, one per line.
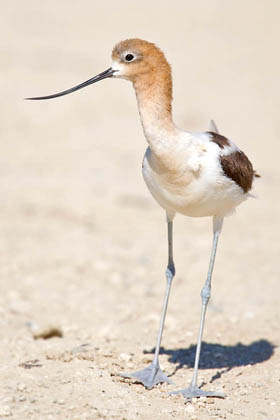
(195, 174)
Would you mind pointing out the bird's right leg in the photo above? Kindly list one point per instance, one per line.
(193, 391)
(153, 375)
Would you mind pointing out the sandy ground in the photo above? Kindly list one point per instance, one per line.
(83, 245)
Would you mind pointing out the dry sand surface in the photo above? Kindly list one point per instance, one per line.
(83, 245)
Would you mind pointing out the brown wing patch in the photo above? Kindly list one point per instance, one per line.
(237, 167)
(221, 141)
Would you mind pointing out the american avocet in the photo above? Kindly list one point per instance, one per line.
(195, 174)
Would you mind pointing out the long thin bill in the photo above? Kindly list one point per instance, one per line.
(107, 73)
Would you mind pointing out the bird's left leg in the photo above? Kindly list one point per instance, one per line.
(193, 390)
(153, 375)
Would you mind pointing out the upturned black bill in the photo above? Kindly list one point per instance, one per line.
(107, 73)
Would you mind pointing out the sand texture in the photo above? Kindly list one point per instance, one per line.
(83, 244)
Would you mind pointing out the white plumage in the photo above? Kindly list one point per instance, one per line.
(197, 185)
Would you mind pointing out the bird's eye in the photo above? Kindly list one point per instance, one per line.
(129, 57)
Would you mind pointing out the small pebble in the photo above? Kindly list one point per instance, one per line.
(5, 411)
(21, 387)
(48, 332)
(61, 402)
(125, 357)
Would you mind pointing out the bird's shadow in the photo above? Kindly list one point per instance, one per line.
(217, 356)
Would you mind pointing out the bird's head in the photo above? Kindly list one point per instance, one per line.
(134, 59)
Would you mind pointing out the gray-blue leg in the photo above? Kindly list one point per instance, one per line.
(153, 375)
(193, 390)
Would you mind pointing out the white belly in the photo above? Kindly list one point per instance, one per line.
(205, 192)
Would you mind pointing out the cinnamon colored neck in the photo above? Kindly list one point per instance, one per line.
(154, 96)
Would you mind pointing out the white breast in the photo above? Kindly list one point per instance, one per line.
(190, 180)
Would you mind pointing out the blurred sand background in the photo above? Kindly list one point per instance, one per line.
(83, 245)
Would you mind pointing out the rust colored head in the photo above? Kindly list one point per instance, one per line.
(144, 64)
(134, 58)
